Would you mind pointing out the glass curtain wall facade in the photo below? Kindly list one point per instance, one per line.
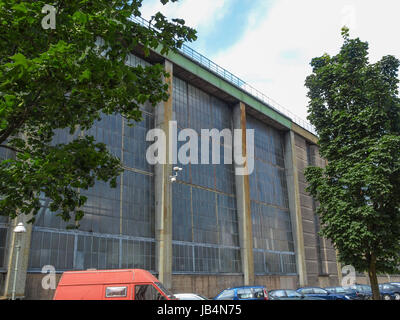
(205, 225)
(272, 231)
(117, 230)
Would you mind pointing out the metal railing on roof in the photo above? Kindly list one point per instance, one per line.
(231, 78)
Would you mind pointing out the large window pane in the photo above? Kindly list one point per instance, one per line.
(204, 204)
(117, 219)
(272, 229)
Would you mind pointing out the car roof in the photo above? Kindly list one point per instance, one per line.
(244, 287)
(282, 290)
(87, 277)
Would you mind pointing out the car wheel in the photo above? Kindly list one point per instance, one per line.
(386, 297)
(397, 296)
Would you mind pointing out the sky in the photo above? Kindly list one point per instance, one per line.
(269, 43)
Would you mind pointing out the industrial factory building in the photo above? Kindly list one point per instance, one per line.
(208, 230)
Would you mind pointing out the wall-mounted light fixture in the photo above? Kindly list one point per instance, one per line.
(176, 170)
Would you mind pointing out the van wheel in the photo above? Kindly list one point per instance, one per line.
(386, 297)
(397, 296)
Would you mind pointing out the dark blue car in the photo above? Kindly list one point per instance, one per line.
(366, 289)
(286, 294)
(321, 293)
(363, 291)
(243, 293)
(347, 292)
(389, 289)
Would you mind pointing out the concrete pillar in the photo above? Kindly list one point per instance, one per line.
(243, 201)
(23, 240)
(163, 191)
(292, 180)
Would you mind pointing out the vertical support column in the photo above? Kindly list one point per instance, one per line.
(292, 180)
(339, 269)
(322, 254)
(243, 201)
(24, 241)
(163, 190)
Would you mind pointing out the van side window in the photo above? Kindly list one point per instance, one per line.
(114, 292)
(147, 292)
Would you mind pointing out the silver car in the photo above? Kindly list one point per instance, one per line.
(189, 296)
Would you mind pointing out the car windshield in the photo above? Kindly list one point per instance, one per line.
(226, 295)
(187, 296)
(387, 287)
(164, 290)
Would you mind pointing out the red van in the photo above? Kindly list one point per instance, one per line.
(127, 284)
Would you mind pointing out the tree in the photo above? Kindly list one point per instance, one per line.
(355, 108)
(66, 78)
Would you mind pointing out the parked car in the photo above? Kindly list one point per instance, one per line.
(284, 294)
(367, 291)
(346, 291)
(363, 291)
(128, 284)
(243, 293)
(189, 296)
(321, 293)
(387, 287)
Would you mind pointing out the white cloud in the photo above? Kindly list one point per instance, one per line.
(274, 56)
(196, 13)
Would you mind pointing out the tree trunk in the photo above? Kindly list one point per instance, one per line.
(373, 278)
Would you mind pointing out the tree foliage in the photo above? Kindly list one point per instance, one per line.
(68, 77)
(355, 108)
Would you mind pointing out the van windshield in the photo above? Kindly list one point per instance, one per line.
(164, 290)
